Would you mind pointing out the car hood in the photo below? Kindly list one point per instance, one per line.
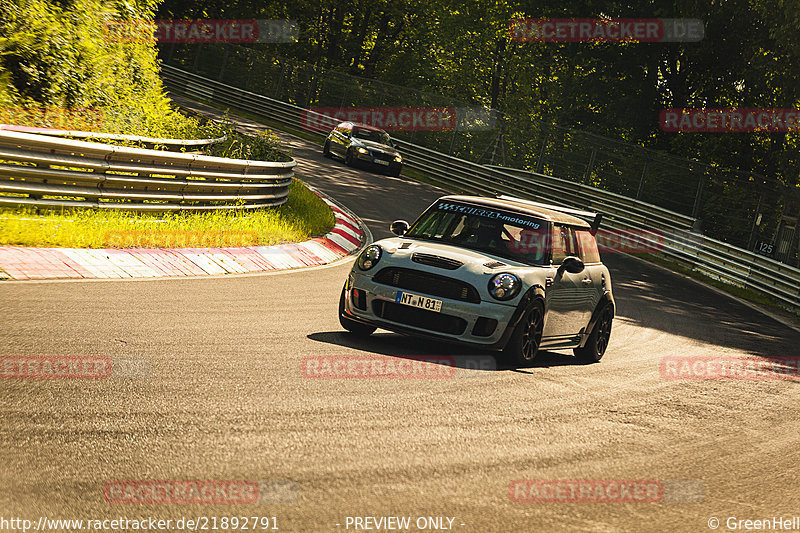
(399, 250)
(377, 146)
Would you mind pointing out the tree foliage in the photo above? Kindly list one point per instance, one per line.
(58, 55)
(748, 58)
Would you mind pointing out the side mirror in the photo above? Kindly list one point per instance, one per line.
(399, 227)
(572, 264)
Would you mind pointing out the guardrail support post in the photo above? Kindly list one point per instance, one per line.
(755, 222)
(197, 58)
(542, 150)
(641, 180)
(280, 81)
(312, 90)
(453, 140)
(224, 64)
(587, 174)
(698, 196)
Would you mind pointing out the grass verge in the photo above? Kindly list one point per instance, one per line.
(303, 216)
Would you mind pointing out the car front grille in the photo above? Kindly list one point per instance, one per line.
(436, 261)
(427, 283)
(419, 318)
(382, 156)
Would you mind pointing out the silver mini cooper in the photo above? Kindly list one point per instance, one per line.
(503, 273)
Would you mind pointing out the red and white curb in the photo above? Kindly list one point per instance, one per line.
(346, 237)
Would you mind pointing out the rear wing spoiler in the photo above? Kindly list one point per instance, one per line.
(595, 218)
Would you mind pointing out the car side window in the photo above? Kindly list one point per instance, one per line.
(588, 243)
(533, 244)
(564, 243)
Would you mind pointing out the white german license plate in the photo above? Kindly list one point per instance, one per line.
(415, 300)
(381, 162)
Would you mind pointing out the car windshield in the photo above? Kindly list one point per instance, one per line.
(502, 233)
(372, 135)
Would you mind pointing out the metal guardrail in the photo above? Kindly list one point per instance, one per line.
(611, 204)
(76, 134)
(46, 171)
(665, 230)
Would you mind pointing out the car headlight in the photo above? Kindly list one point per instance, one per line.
(398, 158)
(504, 286)
(369, 257)
(362, 150)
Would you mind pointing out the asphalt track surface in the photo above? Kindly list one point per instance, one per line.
(225, 399)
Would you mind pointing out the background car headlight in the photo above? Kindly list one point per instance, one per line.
(362, 150)
(504, 286)
(369, 257)
(398, 158)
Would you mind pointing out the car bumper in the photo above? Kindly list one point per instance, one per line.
(458, 321)
(369, 160)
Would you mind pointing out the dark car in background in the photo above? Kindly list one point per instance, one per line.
(362, 145)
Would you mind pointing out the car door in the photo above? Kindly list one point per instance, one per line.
(594, 274)
(567, 295)
(341, 138)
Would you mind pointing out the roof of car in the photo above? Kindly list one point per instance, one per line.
(359, 125)
(521, 207)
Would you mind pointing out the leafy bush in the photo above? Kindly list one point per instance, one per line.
(59, 55)
(264, 146)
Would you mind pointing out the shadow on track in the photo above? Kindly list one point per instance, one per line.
(653, 298)
(407, 347)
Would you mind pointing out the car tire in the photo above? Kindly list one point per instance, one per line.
(395, 173)
(523, 346)
(598, 339)
(348, 159)
(326, 150)
(356, 328)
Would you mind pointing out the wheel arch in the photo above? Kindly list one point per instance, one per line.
(533, 295)
(605, 299)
